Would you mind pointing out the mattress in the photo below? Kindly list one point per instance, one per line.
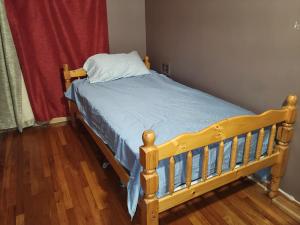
(119, 111)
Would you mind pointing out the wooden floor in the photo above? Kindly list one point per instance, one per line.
(53, 175)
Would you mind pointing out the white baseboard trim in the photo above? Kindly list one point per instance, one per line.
(259, 183)
(264, 184)
(292, 211)
(59, 120)
(53, 121)
(289, 197)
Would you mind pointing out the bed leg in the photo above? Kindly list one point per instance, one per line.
(149, 180)
(73, 120)
(149, 210)
(72, 112)
(277, 170)
(67, 77)
(283, 138)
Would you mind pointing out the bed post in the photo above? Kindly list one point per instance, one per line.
(147, 62)
(149, 179)
(283, 138)
(67, 78)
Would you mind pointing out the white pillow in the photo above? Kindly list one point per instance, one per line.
(106, 67)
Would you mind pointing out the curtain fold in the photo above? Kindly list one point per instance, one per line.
(15, 109)
(48, 34)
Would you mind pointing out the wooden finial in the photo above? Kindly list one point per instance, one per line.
(65, 67)
(291, 100)
(290, 104)
(147, 62)
(148, 138)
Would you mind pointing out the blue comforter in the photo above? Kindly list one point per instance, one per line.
(119, 111)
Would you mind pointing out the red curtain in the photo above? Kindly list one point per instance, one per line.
(48, 33)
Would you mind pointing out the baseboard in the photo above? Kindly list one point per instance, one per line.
(284, 201)
(52, 121)
(44, 123)
(59, 120)
(8, 130)
(290, 207)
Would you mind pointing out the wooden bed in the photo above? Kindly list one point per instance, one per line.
(281, 122)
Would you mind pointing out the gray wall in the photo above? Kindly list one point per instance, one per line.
(126, 26)
(246, 52)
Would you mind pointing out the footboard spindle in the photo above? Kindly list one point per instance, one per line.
(259, 143)
(247, 148)
(205, 163)
(233, 153)
(188, 175)
(220, 158)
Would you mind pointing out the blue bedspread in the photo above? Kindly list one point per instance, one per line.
(119, 111)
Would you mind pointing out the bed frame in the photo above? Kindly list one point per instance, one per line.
(281, 131)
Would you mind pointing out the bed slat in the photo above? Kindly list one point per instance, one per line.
(271, 140)
(233, 153)
(259, 143)
(220, 158)
(171, 174)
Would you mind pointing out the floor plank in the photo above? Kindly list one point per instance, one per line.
(53, 175)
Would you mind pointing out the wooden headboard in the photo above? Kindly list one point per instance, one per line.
(79, 73)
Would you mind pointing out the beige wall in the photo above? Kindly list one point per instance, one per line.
(126, 26)
(246, 52)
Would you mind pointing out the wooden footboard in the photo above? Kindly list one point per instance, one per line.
(281, 122)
